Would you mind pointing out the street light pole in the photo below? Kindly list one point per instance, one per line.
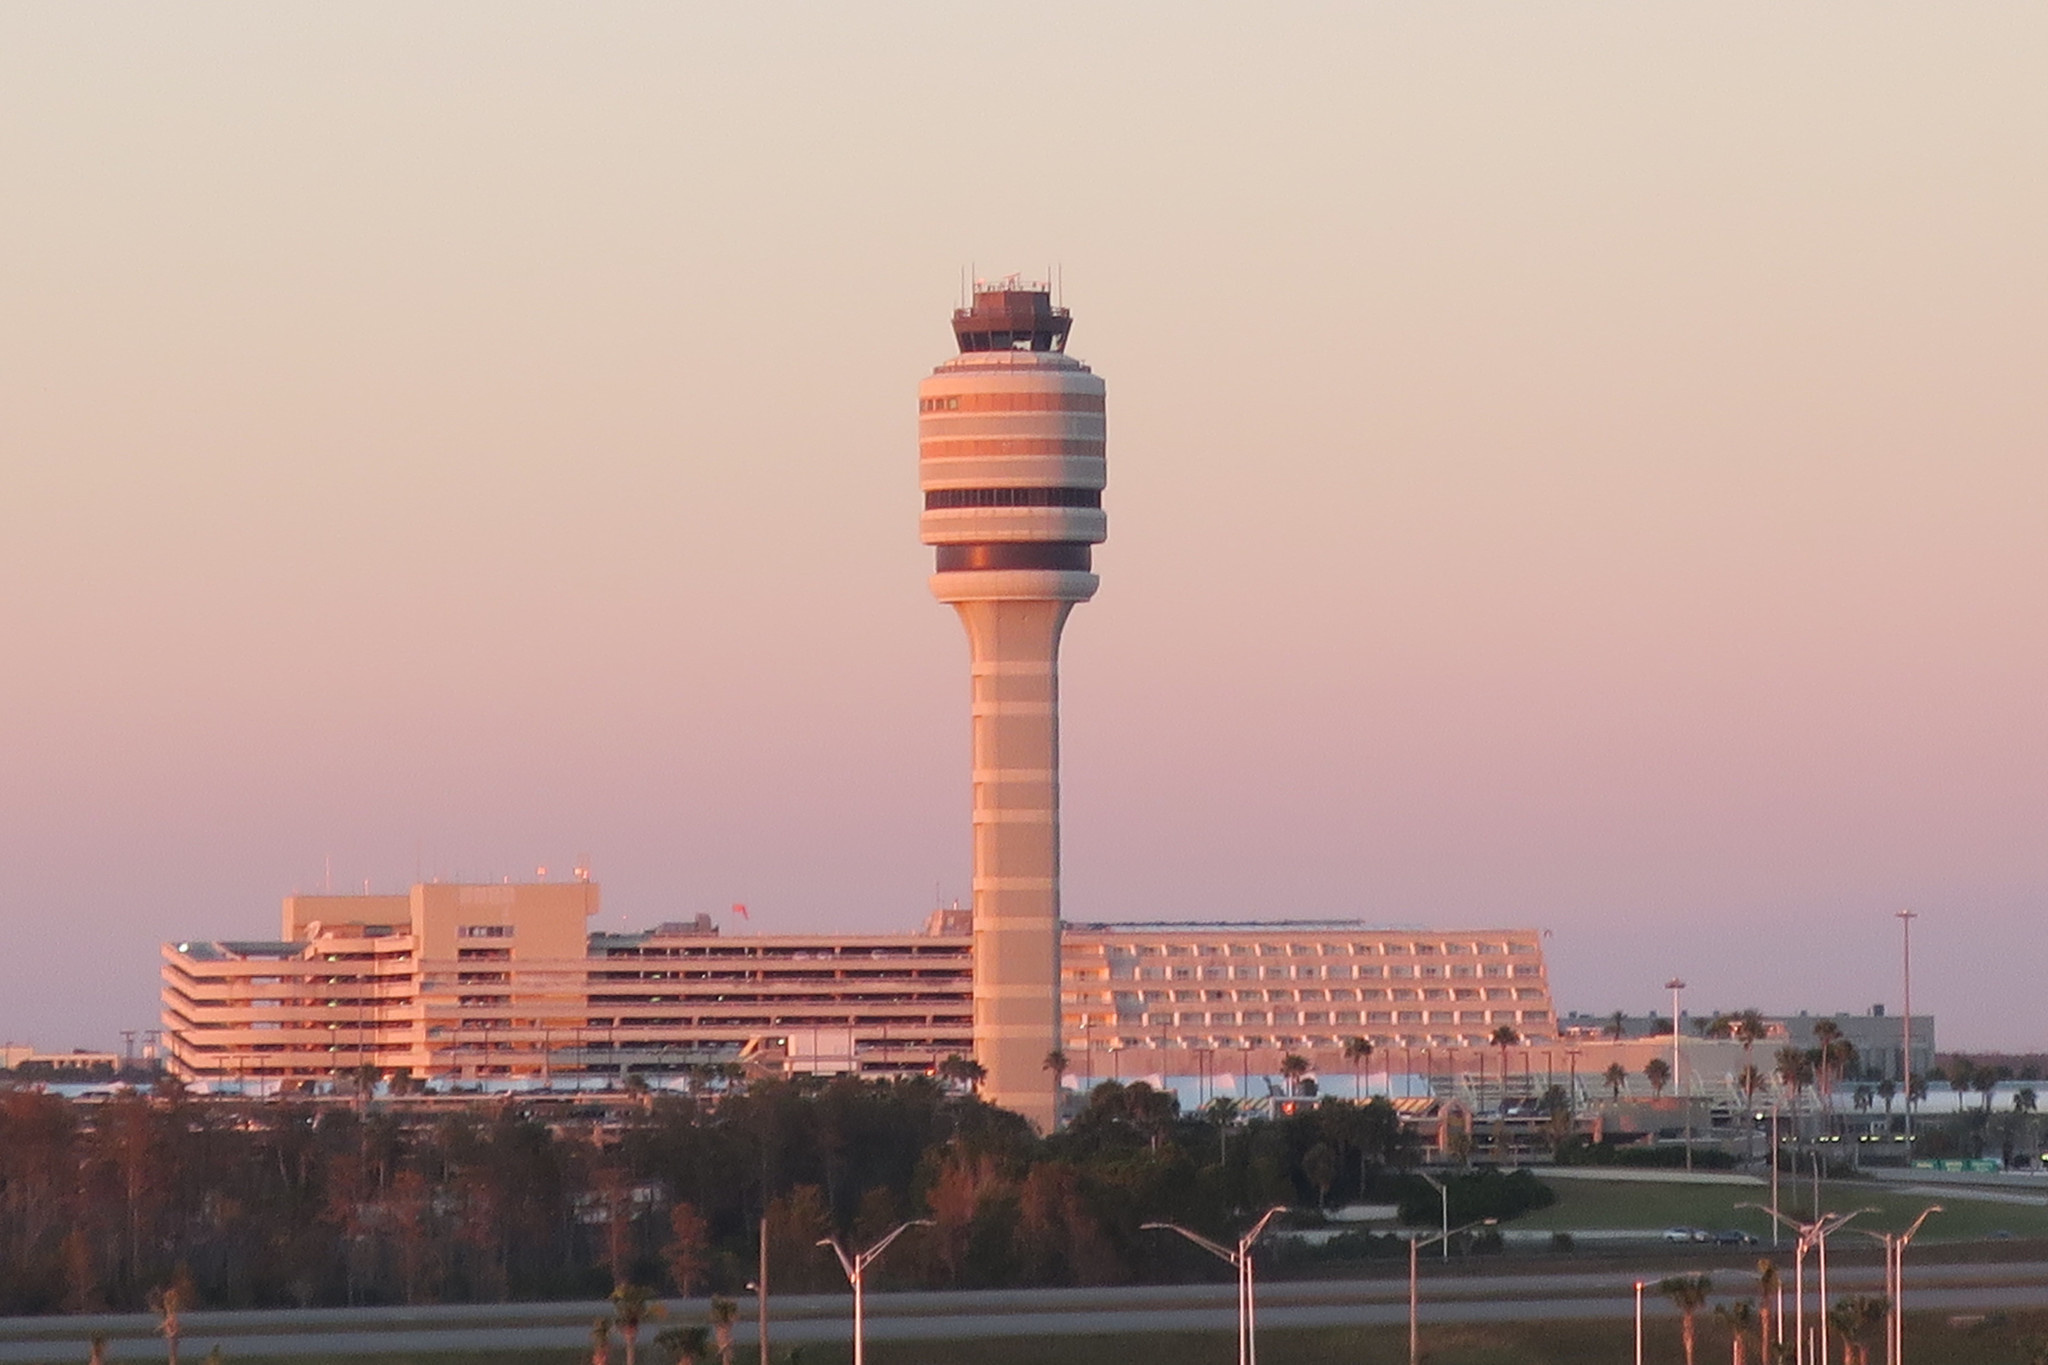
(1906, 918)
(1415, 1246)
(1239, 1260)
(1639, 1322)
(1445, 1192)
(1814, 1234)
(1674, 985)
(1894, 1244)
(856, 1268)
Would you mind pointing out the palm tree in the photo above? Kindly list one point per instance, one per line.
(724, 1313)
(97, 1344)
(1617, 1026)
(1750, 1080)
(1794, 1070)
(1657, 1072)
(1766, 1295)
(1740, 1317)
(2025, 1100)
(1749, 1027)
(1056, 1063)
(1616, 1077)
(633, 1304)
(1826, 1033)
(1887, 1091)
(1855, 1316)
(1504, 1037)
(962, 1071)
(1357, 1051)
(1690, 1294)
(166, 1303)
(1294, 1066)
(687, 1345)
(601, 1342)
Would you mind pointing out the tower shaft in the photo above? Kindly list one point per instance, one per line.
(1014, 646)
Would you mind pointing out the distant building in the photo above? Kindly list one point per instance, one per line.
(77, 1062)
(1878, 1036)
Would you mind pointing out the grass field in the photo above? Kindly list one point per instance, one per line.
(1651, 1205)
(1932, 1342)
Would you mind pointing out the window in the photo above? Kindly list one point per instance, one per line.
(484, 931)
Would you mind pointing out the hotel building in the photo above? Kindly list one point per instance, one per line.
(506, 983)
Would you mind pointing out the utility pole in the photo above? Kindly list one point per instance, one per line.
(1906, 918)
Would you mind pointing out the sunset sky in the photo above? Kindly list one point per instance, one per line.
(1571, 465)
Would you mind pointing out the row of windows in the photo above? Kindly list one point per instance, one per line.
(1252, 1017)
(1289, 997)
(1012, 402)
(1081, 1047)
(1443, 948)
(1308, 972)
(940, 499)
(484, 931)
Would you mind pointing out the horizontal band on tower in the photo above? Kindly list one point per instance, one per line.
(1018, 554)
(938, 499)
(1013, 400)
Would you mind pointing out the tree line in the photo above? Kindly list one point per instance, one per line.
(245, 1204)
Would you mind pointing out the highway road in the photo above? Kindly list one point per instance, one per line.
(1446, 1298)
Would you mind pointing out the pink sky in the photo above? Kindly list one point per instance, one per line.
(1580, 466)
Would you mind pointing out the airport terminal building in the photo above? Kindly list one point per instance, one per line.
(505, 984)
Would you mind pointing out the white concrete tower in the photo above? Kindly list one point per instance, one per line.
(1010, 446)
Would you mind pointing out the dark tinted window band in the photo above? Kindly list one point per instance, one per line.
(1035, 401)
(1025, 554)
(939, 498)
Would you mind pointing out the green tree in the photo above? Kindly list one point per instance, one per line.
(1617, 1026)
(1657, 1072)
(688, 1252)
(1294, 1067)
(1616, 1077)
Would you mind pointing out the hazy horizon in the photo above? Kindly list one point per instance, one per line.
(1578, 467)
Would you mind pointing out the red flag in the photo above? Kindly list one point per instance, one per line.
(741, 911)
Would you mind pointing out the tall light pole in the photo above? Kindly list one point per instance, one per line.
(1415, 1247)
(856, 1268)
(1906, 918)
(1674, 985)
(1639, 1322)
(1814, 1234)
(1895, 1284)
(1241, 1261)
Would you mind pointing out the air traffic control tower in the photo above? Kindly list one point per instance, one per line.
(1010, 457)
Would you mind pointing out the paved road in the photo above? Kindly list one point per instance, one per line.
(962, 1316)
